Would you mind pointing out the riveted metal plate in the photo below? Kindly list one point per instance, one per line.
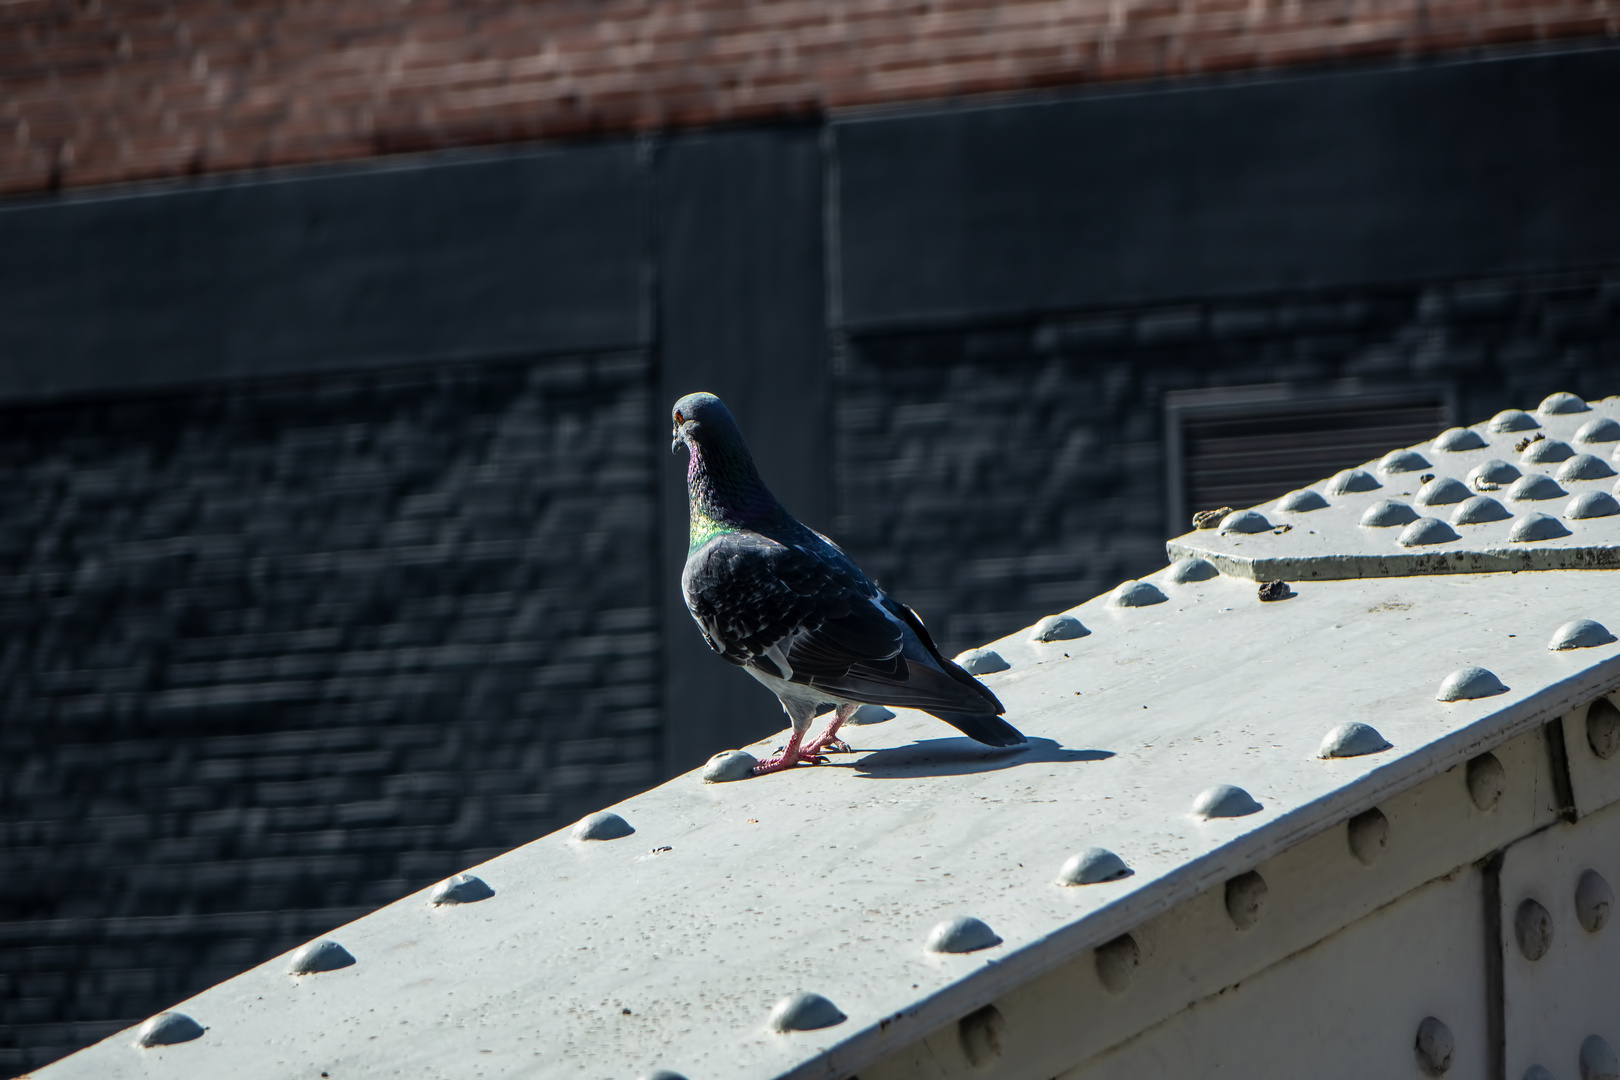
(1348, 1007)
(1554, 1003)
(1595, 779)
(1313, 890)
(1332, 542)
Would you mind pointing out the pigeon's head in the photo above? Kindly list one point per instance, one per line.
(702, 420)
(720, 474)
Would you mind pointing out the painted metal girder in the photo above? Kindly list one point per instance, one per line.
(668, 947)
(1561, 951)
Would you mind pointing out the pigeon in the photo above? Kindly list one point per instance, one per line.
(786, 605)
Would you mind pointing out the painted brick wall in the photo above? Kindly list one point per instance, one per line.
(998, 474)
(101, 92)
(277, 653)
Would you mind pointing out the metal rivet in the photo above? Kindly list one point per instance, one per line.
(1352, 480)
(1399, 461)
(1224, 800)
(982, 662)
(1457, 439)
(662, 1074)
(1486, 781)
(1058, 628)
(1533, 527)
(1561, 403)
(1387, 513)
(1494, 471)
(1434, 1047)
(1352, 739)
(1116, 963)
(1597, 1059)
(1093, 866)
(1135, 594)
(1479, 510)
(1593, 901)
(981, 1032)
(319, 956)
(1442, 492)
(168, 1028)
(1603, 728)
(1187, 571)
(724, 767)
(805, 1011)
(1599, 431)
(1546, 452)
(1583, 467)
(960, 935)
(1592, 504)
(1536, 487)
(1245, 896)
(1368, 833)
(1426, 530)
(1468, 683)
(461, 889)
(870, 714)
(1532, 929)
(1512, 420)
(1245, 521)
(1302, 501)
(603, 825)
(1580, 634)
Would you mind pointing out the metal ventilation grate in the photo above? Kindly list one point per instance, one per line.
(1244, 445)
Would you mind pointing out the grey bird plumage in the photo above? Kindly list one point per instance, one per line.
(784, 603)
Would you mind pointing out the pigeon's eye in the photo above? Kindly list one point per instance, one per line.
(679, 419)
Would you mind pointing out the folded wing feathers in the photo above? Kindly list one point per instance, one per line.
(818, 621)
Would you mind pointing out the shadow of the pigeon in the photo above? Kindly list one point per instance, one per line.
(956, 757)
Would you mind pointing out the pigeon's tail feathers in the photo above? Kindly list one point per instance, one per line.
(941, 661)
(987, 728)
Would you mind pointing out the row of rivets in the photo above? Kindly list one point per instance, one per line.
(1596, 1061)
(1367, 835)
(1533, 924)
(168, 1028)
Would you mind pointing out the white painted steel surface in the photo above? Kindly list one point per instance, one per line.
(1331, 541)
(1333, 1011)
(1572, 991)
(1596, 780)
(828, 879)
(668, 947)
(1196, 953)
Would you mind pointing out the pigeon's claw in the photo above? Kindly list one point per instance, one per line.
(785, 760)
(829, 740)
(790, 756)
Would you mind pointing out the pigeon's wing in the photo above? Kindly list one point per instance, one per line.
(813, 618)
(785, 610)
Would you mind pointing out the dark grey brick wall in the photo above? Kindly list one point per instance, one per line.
(275, 653)
(992, 475)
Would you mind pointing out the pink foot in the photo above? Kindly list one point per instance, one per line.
(829, 740)
(785, 761)
(792, 755)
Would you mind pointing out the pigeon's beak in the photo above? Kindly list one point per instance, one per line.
(675, 444)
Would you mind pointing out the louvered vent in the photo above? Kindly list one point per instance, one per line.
(1246, 445)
